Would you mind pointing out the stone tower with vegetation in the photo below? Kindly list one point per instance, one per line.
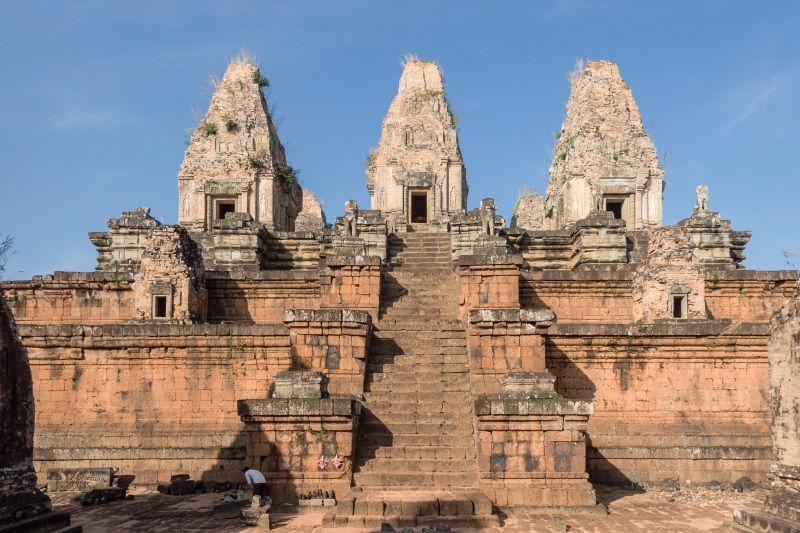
(603, 158)
(235, 161)
(416, 361)
(417, 173)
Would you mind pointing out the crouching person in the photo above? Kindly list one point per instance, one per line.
(257, 482)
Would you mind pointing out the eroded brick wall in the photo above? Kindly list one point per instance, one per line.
(334, 342)
(260, 297)
(488, 286)
(351, 283)
(604, 296)
(72, 298)
(686, 400)
(748, 296)
(579, 297)
(152, 400)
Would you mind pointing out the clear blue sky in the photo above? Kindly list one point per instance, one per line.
(96, 99)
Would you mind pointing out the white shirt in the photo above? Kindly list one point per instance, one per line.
(254, 477)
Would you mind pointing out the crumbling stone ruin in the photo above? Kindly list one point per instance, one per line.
(235, 162)
(781, 511)
(528, 211)
(603, 158)
(420, 360)
(312, 217)
(23, 507)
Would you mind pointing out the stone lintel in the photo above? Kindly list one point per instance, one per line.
(534, 316)
(501, 406)
(274, 408)
(325, 315)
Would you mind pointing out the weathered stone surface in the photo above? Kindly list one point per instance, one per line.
(78, 479)
(781, 511)
(603, 154)
(311, 217)
(235, 156)
(670, 270)
(22, 506)
(418, 149)
(299, 384)
(171, 268)
(121, 248)
(598, 238)
(529, 211)
(713, 242)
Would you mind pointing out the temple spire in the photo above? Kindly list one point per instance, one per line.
(604, 158)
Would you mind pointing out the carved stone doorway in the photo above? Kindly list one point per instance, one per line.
(419, 207)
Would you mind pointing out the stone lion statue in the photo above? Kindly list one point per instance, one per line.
(351, 218)
(487, 211)
(702, 198)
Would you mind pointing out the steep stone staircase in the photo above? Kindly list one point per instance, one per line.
(416, 439)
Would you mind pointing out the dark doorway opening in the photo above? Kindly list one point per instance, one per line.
(223, 208)
(160, 307)
(615, 206)
(419, 207)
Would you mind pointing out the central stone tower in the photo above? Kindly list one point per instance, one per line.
(417, 173)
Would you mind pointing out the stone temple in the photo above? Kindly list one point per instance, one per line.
(420, 361)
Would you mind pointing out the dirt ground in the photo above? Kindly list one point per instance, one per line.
(689, 510)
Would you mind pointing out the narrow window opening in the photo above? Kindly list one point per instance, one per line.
(223, 208)
(678, 303)
(160, 307)
(615, 207)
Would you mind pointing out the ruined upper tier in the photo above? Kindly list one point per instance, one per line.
(418, 153)
(235, 161)
(604, 158)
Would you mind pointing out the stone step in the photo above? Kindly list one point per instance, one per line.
(413, 508)
(393, 386)
(456, 522)
(416, 479)
(436, 396)
(423, 380)
(424, 418)
(383, 367)
(425, 340)
(388, 465)
(417, 452)
(389, 364)
(388, 338)
(383, 408)
(416, 348)
(386, 425)
(423, 368)
(406, 314)
(439, 324)
(419, 439)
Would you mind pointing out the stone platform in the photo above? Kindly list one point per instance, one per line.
(412, 508)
